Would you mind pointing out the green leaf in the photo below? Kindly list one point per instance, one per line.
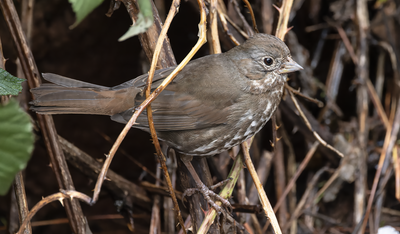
(9, 84)
(16, 143)
(82, 8)
(143, 22)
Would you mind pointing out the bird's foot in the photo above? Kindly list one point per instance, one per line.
(208, 193)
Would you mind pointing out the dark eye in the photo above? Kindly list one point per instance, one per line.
(268, 61)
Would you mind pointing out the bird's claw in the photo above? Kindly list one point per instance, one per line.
(207, 194)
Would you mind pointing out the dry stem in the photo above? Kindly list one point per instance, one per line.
(317, 136)
(54, 197)
(160, 155)
(306, 194)
(253, 18)
(297, 92)
(269, 212)
(390, 139)
(31, 72)
(289, 186)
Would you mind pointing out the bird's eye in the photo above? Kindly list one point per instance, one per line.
(268, 61)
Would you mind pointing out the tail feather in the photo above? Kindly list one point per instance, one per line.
(70, 83)
(69, 96)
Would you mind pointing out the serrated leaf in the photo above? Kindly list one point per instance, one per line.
(143, 22)
(16, 143)
(9, 84)
(82, 8)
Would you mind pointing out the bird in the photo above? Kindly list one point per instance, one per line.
(215, 103)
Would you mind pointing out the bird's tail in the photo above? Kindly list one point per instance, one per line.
(69, 96)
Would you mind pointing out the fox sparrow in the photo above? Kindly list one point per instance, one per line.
(215, 102)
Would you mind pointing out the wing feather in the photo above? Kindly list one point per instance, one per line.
(182, 106)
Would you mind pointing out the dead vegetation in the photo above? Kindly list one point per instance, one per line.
(349, 51)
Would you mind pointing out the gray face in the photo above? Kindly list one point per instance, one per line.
(263, 53)
(259, 56)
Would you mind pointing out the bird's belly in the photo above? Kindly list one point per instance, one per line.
(211, 141)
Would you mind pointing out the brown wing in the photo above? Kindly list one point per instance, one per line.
(172, 112)
(192, 101)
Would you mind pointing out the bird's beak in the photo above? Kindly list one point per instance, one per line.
(289, 66)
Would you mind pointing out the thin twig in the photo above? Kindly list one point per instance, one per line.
(290, 171)
(390, 139)
(274, 131)
(94, 217)
(244, 34)
(20, 195)
(306, 194)
(380, 73)
(269, 212)
(371, 90)
(317, 136)
(161, 157)
(289, 186)
(91, 167)
(156, 55)
(241, 195)
(284, 13)
(215, 44)
(280, 180)
(362, 111)
(131, 158)
(393, 59)
(334, 176)
(169, 210)
(333, 80)
(297, 92)
(347, 43)
(54, 197)
(345, 39)
(155, 221)
(188, 223)
(223, 19)
(263, 171)
(377, 103)
(396, 166)
(19, 185)
(246, 25)
(252, 15)
(2, 59)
